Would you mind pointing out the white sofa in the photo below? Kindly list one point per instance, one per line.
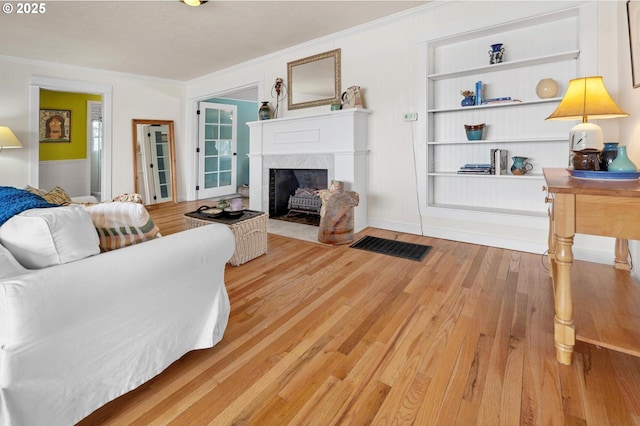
(78, 334)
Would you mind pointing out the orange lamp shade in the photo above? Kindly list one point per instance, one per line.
(586, 97)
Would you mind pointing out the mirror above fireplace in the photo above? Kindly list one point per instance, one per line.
(314, 80)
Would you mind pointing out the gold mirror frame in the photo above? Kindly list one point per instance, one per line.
(294, 69)
(139, 171)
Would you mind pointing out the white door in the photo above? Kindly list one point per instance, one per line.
(94, 123)
(217, 150)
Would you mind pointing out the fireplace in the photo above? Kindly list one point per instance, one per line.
(334, 142)
(292, 194)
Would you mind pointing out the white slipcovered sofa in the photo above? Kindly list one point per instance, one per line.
(91, 327)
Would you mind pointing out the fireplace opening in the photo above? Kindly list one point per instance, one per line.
(293, 197)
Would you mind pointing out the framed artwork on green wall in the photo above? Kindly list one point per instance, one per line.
(55, 125)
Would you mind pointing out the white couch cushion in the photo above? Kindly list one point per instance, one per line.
(9, 266)
(38, 238)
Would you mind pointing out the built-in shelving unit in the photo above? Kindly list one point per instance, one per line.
(542, 47)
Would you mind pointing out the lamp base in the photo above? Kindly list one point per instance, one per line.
(585, 136)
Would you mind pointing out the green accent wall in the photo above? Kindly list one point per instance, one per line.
(247, 111)
(76, 149)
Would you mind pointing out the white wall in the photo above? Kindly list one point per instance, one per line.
(132, 96)
(72, 175)
(383, 59)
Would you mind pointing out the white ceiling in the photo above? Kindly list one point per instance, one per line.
(168, 39)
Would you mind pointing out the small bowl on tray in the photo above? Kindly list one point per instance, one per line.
(209, 211)
(229, 211)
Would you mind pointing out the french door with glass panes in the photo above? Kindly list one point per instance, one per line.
(217, 150)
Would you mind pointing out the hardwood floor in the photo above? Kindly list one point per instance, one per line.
(323, 335)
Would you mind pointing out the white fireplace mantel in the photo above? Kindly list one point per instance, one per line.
(335, 141)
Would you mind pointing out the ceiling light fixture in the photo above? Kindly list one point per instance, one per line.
(194, 2)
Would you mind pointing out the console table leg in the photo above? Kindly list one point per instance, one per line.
(564, 330)
(622, 255)
(564, 230)
(551, 241)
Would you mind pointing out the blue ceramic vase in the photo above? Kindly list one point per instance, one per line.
(496, 53)
(608, 154)
(622, 163)
(264, 112)
(468, 101)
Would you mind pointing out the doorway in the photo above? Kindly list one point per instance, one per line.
(217, 149)
(245, 98)
(60, 85)
(94, 147)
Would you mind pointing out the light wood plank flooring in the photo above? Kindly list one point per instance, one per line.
(324, 335)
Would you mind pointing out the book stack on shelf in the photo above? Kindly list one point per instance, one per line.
(476, 169)
(497, 166)
(493, 101)
(499, 161)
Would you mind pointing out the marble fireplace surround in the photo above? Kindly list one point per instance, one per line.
(335, 141)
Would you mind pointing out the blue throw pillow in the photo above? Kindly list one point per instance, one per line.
(14, 201)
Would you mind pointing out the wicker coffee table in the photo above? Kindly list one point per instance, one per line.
(249, 231)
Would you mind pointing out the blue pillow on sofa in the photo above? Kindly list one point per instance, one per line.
(14, 201)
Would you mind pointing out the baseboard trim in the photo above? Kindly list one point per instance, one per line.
(579, 253)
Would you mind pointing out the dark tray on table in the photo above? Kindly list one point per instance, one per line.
(224, 217)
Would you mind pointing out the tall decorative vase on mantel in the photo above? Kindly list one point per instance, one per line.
(264, 112)
(622, 163)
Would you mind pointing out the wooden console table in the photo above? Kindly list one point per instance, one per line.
(607, 303)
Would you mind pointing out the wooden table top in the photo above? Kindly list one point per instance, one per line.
(560, 181)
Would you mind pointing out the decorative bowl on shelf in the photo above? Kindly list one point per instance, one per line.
(475, 132)
(547, 88)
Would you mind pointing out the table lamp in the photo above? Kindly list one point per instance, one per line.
(586, 97)
(8, 139)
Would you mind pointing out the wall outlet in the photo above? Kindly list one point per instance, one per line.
(411, 116)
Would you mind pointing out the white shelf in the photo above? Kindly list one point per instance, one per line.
(564, 56)
(536, 176)
(490, 210)
(495, 105)
(564, 138)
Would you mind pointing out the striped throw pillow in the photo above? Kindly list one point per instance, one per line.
(121, 224)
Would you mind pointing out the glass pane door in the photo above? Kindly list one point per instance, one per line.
(217, 150)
